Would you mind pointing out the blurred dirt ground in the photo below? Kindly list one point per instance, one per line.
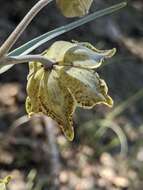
(31, 154)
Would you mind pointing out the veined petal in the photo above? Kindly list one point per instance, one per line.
(33, 85)
(57, 102)
(85, 57)
(74, 8)
(106, 53)
(85, 86)
(33, 68)
(28, 106)
(58, 50)
(82, 55)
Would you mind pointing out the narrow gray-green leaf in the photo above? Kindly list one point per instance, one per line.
(5, 68)
(36, 42)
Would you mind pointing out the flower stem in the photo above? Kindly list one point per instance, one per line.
(4, 49)
(38, 41)
(28, 58)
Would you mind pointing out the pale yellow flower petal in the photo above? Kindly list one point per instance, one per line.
(82, 55)
(107, 53)
(57, 102)
(74, 8)
(33, 85)
(71, 82)
(86, 87)
(33, 68)
(57, 51)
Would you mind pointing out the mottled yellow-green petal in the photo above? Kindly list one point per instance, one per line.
(33, 68)
(33, 85)
(68, 130)
(58, 50)
(85, 86)
(86, 56)
(28, 106)
(57, 102)
(104, 90)
(107, 53)
(74, 8)
(82, 55)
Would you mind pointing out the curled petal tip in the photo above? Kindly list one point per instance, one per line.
(112, 52)
(109, 101)
(31, 114)
(70, 137)
(69, 134)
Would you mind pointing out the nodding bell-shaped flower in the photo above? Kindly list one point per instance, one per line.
(74, 8)
(72, 82)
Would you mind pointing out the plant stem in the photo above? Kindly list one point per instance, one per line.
(4, 49)
(28, 58)
(38, 41)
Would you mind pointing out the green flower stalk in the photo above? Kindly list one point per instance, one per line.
(71, 82)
